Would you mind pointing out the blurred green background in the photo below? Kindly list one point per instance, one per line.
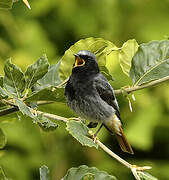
(51, 27)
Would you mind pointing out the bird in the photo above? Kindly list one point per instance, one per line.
(89, 94)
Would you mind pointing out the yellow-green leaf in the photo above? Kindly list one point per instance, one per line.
(126, 54)
(100, 47)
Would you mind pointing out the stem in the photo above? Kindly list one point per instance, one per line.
(53, 116)
(112, 154)
(135, 88)
(15, 108)
(133, 168)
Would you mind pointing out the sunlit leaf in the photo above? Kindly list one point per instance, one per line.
(45, 123)
(1, 81)
(44, 173)
(2, 175)
(80, 132)
(146, 176)
(113, 56)
(36, 71)
(14, 80)
(3, 139)
(24, 108)
(87, 173)
(150, 62)
(126, 54)
(3, 94)
(48, 94)
(6, 4)
(98, 46)
(51, 78)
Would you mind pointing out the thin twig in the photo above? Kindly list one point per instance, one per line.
(112, 154)
(14, 108)
(53, 116)
(135, 88)
(133, 168)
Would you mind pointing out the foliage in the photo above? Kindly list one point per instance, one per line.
(52, 28)
(80, 132)
(2, 139)
(85, 173)
(6, 4)
(155, 64)
(23, 89)
(44, 173)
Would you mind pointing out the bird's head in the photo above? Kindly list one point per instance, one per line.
(85, 62)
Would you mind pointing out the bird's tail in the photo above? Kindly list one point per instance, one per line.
(114, 126)
(122, 140)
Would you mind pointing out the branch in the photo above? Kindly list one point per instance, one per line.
(134, 169)
(135, 88)
(53, 116)
(15, 108)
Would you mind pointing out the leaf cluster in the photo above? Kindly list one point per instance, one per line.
(42, 82)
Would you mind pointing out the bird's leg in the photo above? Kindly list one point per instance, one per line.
(98, 130)
(92, 125)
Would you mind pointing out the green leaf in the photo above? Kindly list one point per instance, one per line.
(2, 175)
(88, 176)
(24, 108)
(80, 132)
(3, 139)
(146, 176)
(51, 78)
(126, 54)
(3, 94)
(1, 81)
(150, 62)
(113, 56)
(45, 123)
(6, 4)
(14, 80)
(87, 173)
(44, 173)
(48, 94)
(100, 47)
(36, 71)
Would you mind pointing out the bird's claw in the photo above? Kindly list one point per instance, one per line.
(34, 112)
(93, 136)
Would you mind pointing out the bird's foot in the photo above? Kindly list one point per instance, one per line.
(34, 112)
(93, 136)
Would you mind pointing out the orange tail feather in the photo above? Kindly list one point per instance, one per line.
(122, 140)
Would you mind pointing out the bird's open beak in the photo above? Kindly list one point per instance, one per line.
(78, 61)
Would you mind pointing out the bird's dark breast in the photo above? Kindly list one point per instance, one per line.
(84, 100)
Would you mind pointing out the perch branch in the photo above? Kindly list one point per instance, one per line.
(134, 169)
(53, 116)
(135, 88)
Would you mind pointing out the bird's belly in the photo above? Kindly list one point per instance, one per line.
(91, 108)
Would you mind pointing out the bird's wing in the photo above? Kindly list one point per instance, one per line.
(106, 92)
